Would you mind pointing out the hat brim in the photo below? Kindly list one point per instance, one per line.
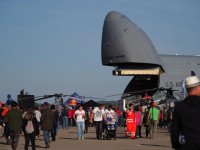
(193, 85)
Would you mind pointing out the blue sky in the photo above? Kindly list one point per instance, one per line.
(53, 46)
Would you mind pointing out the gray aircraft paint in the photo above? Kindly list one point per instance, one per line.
(125, 44)
(178, 67)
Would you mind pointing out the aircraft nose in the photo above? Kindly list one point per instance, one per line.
(113, 15)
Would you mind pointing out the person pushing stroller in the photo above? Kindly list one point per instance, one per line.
(110, 123)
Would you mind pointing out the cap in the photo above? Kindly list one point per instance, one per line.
(8, 96)
(192, 81)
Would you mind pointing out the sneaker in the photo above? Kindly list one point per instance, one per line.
(132, 137)
(53, 140)
(82, 138)
(48, 145)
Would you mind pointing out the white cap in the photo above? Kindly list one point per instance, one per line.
(192, 81)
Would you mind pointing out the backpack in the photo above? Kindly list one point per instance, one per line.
(29, 127)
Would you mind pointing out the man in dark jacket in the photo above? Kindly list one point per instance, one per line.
(14, 121)
(46, 123)
(55, 118)
(186, 118)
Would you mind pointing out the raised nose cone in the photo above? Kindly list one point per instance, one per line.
(113, 15)
(123, 42)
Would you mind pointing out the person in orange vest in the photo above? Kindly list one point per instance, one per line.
(130, 121)
(5, 110)
(6, 134)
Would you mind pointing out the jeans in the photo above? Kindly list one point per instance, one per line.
(119, 120)
(15, 138)
(70, 122)
(86, 126)
(147, 130)
(138, 131)
(37, 129)
(28, 138)
(65, 121)
(58, 125)
(46, 136)
(54, 131)
(81, 129)
(98, 126)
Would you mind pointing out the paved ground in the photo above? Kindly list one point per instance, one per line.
(67, 139)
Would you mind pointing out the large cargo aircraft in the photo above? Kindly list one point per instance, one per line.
(128, 48)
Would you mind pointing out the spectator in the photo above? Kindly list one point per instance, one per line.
(110, 114)
(38, 116)
(47, 123)
(73, 121)
(160, 124)
(90, 115)
(13, 119)
(86, 121)
(146, 122)
(70, 116)
(138, 117)
(1, 119)
(9, 100)
(64, 115)
(130, 121)
(98, 115)
(79, 117)
(55, 117)
(153, 116)
(118, 115)
(29, 124)
(186, 120)
(6, 133)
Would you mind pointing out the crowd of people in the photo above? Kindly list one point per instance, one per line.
(49, 118)
(181, 119)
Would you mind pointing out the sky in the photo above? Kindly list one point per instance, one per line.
(49, 46)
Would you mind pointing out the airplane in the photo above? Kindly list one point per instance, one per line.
(129, 49)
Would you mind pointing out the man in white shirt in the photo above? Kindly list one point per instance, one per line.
(79, 117)
(98, 115)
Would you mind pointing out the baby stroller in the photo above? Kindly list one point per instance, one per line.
(110, 129)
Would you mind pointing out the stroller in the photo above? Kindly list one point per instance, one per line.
(109, 129)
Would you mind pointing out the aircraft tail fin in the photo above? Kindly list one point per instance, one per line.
(193, 73)
(183, 91)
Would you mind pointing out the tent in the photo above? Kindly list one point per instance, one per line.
(74, 99)
(90, 103)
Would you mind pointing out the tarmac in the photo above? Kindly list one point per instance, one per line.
(67, 140)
